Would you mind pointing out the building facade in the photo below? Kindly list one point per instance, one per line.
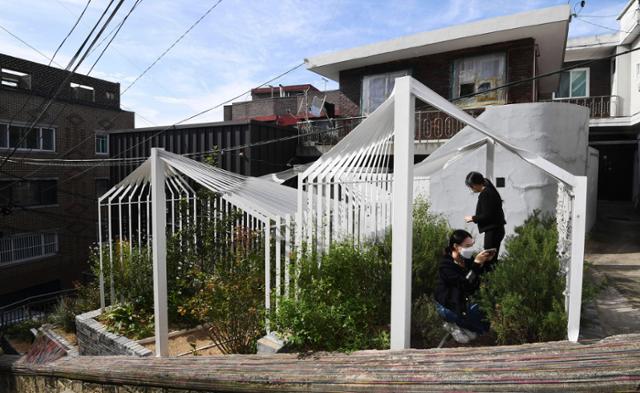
(610, 86)
(198, 141)
(48, 217)
(465, 64)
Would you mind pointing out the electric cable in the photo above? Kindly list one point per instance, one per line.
(171, 46)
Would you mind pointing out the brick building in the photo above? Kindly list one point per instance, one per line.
(49, 215)
(455, 62)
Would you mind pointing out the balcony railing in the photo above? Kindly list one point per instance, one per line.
(599, 106)
(431, 125)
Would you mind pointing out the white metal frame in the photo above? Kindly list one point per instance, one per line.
(148, 202)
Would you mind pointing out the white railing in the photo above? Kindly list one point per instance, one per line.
(23, 247)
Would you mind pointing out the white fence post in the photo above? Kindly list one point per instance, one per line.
(578, 227)
(402, 236)
(159, 235)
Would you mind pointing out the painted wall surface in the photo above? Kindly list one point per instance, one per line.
(621, 85)
(593, 161)
(634, 77)
(555, 131)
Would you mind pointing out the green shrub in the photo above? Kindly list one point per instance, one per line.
(523, 297)
(64, 314)
(230, 301)
(342, 302)
(124, 319)
(426, 324)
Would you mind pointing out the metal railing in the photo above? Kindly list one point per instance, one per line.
(435, 125)
(430, 125)
(599, 106)
(32, 308)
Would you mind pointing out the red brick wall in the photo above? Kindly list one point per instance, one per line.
(435, 70)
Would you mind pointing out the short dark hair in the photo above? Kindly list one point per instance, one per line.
(457, 237)
(474, 179)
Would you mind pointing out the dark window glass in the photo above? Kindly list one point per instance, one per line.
(3, 136)
(466, 88)
(21, 135)
(46, 192)
(48, 137)
(5, 193)
(29, 193)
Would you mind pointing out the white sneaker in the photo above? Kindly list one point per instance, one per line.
(456, 332)
(472, 335)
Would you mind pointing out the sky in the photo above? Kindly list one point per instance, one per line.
(241, 43)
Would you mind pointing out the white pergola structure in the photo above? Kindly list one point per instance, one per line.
(158, 198)
(349, 191)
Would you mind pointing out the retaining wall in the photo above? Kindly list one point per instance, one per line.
(95, 340)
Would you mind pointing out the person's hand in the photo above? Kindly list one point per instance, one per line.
(483, 257)
(468, 218)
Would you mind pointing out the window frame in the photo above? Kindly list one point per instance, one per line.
(44, 243)
(587, 70)
(364, 99)
(474, 102)
(41, 179)
(106, 136)
(6, 129)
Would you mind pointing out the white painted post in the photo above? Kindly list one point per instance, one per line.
(267, 271)
(101, 278)
(158, 208)
(490, 164)
(578, 227)
(402, 237)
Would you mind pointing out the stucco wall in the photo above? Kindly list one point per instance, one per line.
(555, 131)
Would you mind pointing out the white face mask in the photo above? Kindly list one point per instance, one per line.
(466, 252)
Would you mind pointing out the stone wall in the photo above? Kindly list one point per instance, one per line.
(95, 340)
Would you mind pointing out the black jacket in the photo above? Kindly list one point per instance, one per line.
(456, 284)
(489, 214)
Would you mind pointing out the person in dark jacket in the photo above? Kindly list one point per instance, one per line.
(458, 280)
(489, 214)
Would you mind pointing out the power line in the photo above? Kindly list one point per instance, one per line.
(77, 54)
(114, 36)
(70, 31)
(601, 26)
(171, 46)
(24, 42)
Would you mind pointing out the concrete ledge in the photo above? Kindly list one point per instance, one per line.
(95, 340)
(612, 364)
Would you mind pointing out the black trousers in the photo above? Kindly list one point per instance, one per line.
(492, 239)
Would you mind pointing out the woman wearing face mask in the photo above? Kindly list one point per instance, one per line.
(458, 280)
(489, 214)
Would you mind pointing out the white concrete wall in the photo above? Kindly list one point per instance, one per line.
(555, 131)
(593, 162)
(634, 105)
(621, 83)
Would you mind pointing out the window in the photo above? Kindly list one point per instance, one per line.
(38, 138)
(477, 74)
(102, 143)
(18, 248)
(574, 83)
(15, 79)
(83, 92)
(110, 95)
(28, 193)
(377, 88)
